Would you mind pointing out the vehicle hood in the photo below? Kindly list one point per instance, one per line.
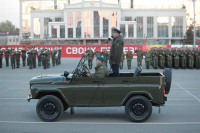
(47, 79)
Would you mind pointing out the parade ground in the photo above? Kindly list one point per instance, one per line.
(181, 113)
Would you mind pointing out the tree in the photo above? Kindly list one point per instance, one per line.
(188, 38)
(7, 26)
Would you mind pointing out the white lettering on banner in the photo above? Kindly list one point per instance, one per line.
(74, 50)
(81, 50)
(67, 50)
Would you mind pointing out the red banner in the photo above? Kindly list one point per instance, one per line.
(78, 50)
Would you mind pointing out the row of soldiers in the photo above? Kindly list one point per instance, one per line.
(165, 57)
(30, 56)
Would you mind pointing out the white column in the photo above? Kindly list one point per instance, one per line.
(82, 25)
(32, 28)
(92, 24)
(58, 31)
(126, 30)
(109, 24)
(155, 30)
(135, 30)
(118, 18)
(101, 24)
(41, 28)
(170, 27)
(66, 26)
(20, 17)
(145, 26)
(49, 31)
(74, 24)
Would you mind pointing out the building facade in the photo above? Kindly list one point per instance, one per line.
(91, 22)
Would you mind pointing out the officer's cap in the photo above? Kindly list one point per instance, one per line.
(100, 58)
(117, 30)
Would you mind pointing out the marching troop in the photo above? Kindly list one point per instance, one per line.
(29, 55)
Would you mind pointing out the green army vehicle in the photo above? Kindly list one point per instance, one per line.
(138, 92)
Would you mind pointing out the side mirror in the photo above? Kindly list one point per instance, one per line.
(66, 73)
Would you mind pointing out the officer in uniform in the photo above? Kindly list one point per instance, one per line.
(53, 55)
(176, 55)
(196, 58)
(90, 57)
(48, 57)
(169, 58)
(23, 51)
(161, 54)
(18, 53)
(106, 56)
(98, 53)
(100, 69)
(39, 56)
(59, 55)
(34, 57)
(154, 55)
(1, 57)
(13, 58)
(122, 60)
(140, 54)
(129, 57)
(147, 59)
(183, 58)
(7, 53)
(30, 58)
(44, 57)
(190, 54)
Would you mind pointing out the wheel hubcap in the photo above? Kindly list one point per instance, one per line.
(49, 109)
(138, 109)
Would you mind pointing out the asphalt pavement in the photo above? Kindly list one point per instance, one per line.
(181, 113)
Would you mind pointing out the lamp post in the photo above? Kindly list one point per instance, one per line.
(194, 24)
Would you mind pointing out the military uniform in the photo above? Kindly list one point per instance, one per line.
(176, 55)
(30, 59)
(48, 58)
(1, 57)
(13, 58)
(39, 57)
(100, 71)
(122, 61)
(97, 53)
(53, 53)
(190, 59)
(23, 57)
(140, 54)
(7, 53)
(18, 53)
(59, 56)
(90, 58)
(169, 58)
(161, 54)
(197, 58)
(183, 59)
(129, 57)
(147, 59)
(154, 55)
(44, 57)
(106, 56)
(34, 57)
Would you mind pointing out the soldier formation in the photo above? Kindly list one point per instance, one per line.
(29, 55)
(165, 57)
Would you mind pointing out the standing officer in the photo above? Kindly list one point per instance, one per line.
(176, 55)
(154, 55)
(48, 57)
(169, 58)
(23, 56)
(18, 53)
(1, 57)
(13, 58)
(59, 55)
(34, 57)
(140, 54)
(190, 54)
(39, 56)
(7, 53)
(196, 58)
(44, 57)
(183, 58)
(129, 57)
(147, 59)
(30, 58)
(97, 53)
(106, 56)
(122, 61)
(53, 56)
(161, 54)
(116, 51)
(90, 57)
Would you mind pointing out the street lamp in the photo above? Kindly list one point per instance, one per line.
(194, 24)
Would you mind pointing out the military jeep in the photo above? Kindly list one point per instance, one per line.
(138, 92)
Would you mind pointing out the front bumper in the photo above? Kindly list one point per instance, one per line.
(29, 97)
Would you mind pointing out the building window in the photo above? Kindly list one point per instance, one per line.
(139, 21)
(122, 29)
(70, 24)
(177, 26)
(10, 40)
(58, 19)
(150, 27)
(96, 23)
(130, 30)
(87, 28)
(13, 40)
(36, 27)
(130, 41)
(62, 31)
(128, 18)
(54, 31)
(105, 24)
(176, 42)
(46, 27)
(139, 42)
(163, 23)
(78, 24)
(163, 42)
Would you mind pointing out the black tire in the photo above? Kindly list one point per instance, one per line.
(138, 109)
(168, 79)
(49, 108)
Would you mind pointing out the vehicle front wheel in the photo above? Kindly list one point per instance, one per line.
(49, 108)
(138, 109)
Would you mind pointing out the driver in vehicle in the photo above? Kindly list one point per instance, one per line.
(100, 69)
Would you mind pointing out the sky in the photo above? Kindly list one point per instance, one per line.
(9, 10)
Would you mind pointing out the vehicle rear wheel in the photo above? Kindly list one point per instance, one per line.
(138, 109)
(49, 108)
(168, 79)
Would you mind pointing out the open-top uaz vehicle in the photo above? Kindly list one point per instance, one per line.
(138, 92)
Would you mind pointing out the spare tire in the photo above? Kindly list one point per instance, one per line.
(168, 79)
